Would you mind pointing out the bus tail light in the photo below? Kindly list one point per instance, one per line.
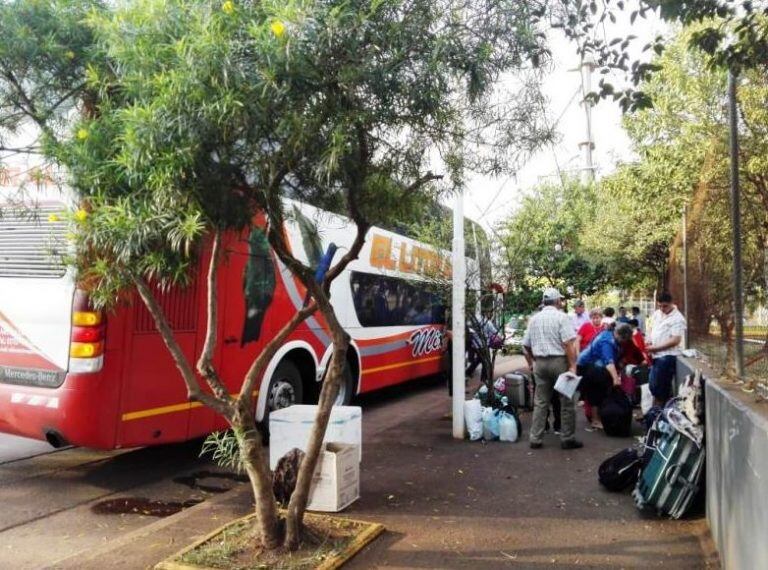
(86, 347)
(86, 318)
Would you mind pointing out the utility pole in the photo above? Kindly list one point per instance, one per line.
(738, 295)
(458, 317)
(587, 146)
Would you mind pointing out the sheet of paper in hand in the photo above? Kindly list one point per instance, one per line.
(567, 384)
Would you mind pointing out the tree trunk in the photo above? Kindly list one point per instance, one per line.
(256, 466)
(298, 503)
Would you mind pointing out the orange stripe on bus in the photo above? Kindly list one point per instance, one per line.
(148, 413)
(401, 364)
(159, 411)
(190, 405)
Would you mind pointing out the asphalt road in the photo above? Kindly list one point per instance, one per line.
(56, 503)
(13, 448)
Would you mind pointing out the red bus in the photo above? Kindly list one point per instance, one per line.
(72, 375)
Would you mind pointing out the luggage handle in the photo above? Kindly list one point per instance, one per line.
(672, 475)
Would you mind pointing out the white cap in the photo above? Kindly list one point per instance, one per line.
(551, 294)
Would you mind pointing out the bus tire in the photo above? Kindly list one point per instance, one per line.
(285, 387)
(347, 389)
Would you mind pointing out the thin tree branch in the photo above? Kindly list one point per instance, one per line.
(194, 390)
(205, 362)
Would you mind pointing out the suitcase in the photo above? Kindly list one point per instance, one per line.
(519, 389)
(620, 471)
(672, 477)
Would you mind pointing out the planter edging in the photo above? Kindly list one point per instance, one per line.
(369, 532)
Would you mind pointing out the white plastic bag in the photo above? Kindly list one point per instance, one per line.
(473, 419)
(646, 398)
(490, 424)
(567, 384)
(508, 427)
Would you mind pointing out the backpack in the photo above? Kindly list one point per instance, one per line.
(616, 414)
(620, 471)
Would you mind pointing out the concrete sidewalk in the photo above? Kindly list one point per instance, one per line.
(454, 504)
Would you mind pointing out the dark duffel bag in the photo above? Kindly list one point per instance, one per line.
(616, 414)
(641, 374)
(620, 471)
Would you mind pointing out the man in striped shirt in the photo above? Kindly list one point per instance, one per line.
(550, 349)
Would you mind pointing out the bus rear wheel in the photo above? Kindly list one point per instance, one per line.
(285, 388)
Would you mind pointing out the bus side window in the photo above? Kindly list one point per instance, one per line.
(391, 301)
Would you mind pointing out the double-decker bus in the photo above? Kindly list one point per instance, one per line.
(70, 374)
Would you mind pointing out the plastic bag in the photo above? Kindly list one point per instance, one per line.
(490, 424)
(473, 419)
(646, 398)
(508, 427)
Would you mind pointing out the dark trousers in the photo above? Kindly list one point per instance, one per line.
(662, 376)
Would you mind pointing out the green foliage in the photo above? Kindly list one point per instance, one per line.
(732, 33)
(683, 147)
(541, 245)
(224, 449)
(174, 118)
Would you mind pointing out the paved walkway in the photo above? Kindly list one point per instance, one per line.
(451, 504)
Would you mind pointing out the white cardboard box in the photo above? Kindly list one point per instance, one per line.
(336, 482)
(290, 427)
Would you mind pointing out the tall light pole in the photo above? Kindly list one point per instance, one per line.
(458, 317)
(738, 295)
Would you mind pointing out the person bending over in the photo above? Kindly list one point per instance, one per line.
(597, 365)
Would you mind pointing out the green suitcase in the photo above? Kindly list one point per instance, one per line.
(671, 479)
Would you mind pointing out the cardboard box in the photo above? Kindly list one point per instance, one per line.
(336, 482)
(290, 427)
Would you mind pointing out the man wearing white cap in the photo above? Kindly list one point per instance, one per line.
(550, 349)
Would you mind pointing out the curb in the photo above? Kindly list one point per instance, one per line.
(370, 532)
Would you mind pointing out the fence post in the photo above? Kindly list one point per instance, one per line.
(685, 276)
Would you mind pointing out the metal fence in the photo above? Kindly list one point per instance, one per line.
(700, 277)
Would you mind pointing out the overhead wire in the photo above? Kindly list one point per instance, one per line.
(551, 128)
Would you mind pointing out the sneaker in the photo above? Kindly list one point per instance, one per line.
(589, 428)
(571, 444)
(557, 432)
(536, 445)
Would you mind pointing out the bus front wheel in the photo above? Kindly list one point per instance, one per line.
(285, 388)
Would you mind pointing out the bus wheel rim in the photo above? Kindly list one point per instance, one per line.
(341, 395)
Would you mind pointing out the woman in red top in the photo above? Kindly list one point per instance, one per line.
(591, 329)
(585, 334)
(634, 352)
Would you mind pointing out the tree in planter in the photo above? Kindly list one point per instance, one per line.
(177, 123)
